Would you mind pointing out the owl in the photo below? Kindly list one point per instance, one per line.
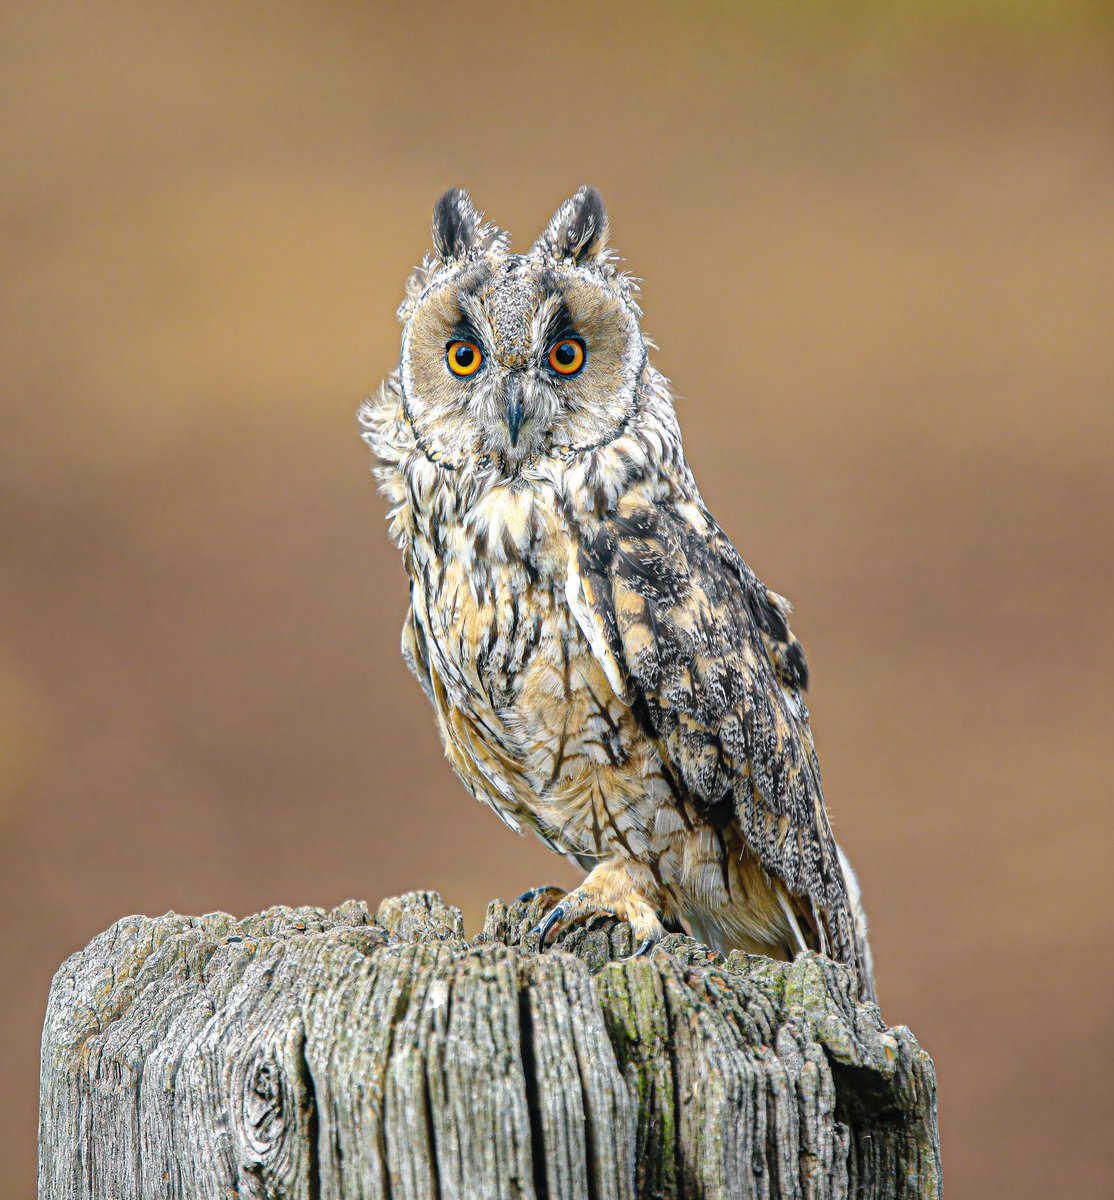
(604, 667)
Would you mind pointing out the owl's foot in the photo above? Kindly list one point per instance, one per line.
(669, 924)
(616, 887)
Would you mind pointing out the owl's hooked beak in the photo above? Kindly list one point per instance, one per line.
(514, 407)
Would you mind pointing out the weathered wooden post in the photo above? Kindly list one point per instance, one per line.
(311, 1055)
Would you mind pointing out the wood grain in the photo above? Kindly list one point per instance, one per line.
(301, 1054)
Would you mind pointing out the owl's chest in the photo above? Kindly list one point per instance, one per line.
(527, 714)
(506, 648)
(491, 596)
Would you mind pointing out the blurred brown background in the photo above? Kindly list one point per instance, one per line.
(878, 242)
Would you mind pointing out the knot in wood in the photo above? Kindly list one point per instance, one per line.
(392, 1059)
(262, 1109)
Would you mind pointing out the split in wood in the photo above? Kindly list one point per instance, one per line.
(308, 1054)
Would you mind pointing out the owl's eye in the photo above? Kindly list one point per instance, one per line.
(464, 358)
(567, 356)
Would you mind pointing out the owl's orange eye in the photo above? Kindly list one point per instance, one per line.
(464, 358)
(567, 356)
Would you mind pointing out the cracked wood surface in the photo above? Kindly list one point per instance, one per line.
(301, 1054)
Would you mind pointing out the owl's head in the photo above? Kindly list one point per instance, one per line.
(509, 356)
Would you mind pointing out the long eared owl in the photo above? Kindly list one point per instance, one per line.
(604, 666)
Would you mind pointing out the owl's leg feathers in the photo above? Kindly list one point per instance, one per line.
(618, 886)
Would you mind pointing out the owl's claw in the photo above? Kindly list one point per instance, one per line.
(545, 926)
(644, 947)
(533, 893)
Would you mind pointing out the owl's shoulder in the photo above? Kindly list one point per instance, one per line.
(645, 463)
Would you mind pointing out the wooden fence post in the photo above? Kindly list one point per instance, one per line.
(309, 1055)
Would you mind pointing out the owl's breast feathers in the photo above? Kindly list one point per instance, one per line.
(594, 645)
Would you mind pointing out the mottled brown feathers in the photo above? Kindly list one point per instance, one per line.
(686, 620)
(604, 667)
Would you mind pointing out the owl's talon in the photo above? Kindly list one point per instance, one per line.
(545, 926)
(533, 893)
(644, 947)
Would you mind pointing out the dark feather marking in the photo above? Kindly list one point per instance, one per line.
(510, 546)
(578, 226)
(613, 729)
(455, 224)
(720, 814)
(796, 668)
(513, 632)
(586, 224)
(677, 792)
(464, 330)
(560, 324)
(725, 752)
(640, 708)
(490, 640)
(533, 640)
(559, 758)
(724, 865)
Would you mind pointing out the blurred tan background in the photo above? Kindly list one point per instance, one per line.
(878, 245)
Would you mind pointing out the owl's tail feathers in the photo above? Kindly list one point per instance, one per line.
(803, 928)
(788, 930)
(865, 959)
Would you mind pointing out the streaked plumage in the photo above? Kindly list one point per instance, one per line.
(604, 666)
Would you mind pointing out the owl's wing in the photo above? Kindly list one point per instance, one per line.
(702, 652)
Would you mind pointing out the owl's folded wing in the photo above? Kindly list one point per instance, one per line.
(415, 651)
(701, 651)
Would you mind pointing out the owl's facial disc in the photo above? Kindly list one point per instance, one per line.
(513, 356)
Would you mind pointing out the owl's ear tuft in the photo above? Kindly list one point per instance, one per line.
(456, 225)
(578, 230)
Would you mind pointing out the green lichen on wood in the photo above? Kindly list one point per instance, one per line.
(306, 1053)
(632, 1001)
